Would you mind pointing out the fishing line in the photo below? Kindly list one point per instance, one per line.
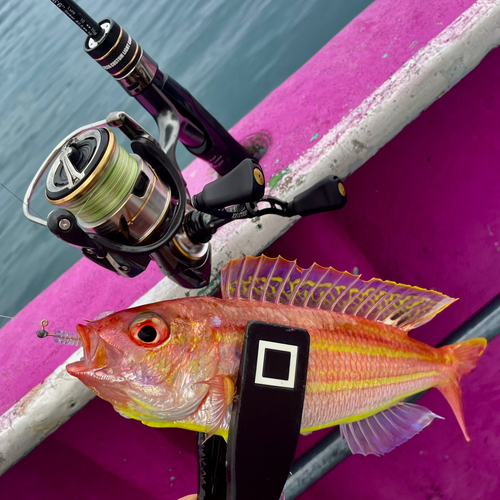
(15, 196)
(109, 191)
(23, 320)
(90, 197)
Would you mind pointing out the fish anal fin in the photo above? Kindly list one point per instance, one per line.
(465, 356)
(221, 393)
(283, 282)
(383, 431)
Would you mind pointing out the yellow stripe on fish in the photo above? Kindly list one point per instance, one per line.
(341, 385)
(371, 351)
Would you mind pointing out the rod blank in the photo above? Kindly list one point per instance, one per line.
(80, 18)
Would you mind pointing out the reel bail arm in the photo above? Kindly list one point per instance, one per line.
(116, 119)
(124, 231)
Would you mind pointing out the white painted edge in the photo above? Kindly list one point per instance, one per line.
(432, 71)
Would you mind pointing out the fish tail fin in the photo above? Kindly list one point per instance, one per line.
(465, 355)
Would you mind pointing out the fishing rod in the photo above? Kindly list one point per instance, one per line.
(124, 210)
(125, 60)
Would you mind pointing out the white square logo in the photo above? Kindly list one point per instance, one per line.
(275, 382)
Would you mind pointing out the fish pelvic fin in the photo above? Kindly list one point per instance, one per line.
(283, 282)
(465, 356)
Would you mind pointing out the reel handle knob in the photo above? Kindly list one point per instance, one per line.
(244, 184)
(327, 194)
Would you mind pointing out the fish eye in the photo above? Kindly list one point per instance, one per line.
(149, 329)
(147, 333)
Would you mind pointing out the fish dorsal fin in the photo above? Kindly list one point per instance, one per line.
(283, 282)
(383, 431)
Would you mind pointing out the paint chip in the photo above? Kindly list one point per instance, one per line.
(384, 56)
(275, 179)
(313, 138)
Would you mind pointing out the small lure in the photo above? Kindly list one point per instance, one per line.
(174, 363)
(60, 336)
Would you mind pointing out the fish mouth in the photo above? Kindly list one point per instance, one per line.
(94, 353)
(84, 333)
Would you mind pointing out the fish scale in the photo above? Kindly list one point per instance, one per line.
(359, 352)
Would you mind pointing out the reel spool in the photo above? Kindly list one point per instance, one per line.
(110, 191)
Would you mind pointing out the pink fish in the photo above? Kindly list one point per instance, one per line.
(174, 363)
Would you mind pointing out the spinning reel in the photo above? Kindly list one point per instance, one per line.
(124, 210)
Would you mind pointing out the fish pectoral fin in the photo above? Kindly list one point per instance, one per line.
(221, 394)
(383, 431)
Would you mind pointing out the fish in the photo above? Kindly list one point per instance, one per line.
(175, 363)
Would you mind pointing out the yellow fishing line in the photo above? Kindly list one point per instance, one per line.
(107, 195)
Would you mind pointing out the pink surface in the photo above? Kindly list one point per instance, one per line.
(310, 102)
(346, 71)
(425, 211)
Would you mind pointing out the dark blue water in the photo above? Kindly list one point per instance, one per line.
(229, 54)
